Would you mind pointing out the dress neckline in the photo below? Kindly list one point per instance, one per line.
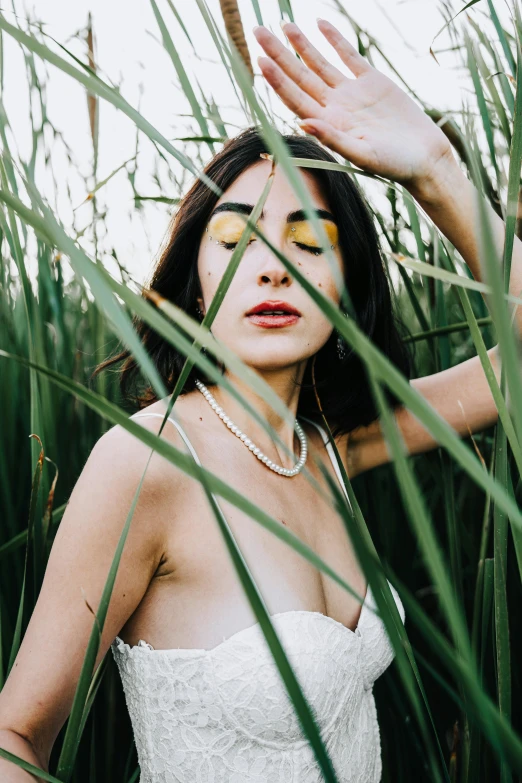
(254, 628)
(144, 645)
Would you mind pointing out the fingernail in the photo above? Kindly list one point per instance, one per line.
(256, 28)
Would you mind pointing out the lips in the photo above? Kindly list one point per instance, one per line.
(273, 314)
(274, 306)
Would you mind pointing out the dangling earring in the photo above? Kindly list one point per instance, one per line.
(341, 348)
(341, 345)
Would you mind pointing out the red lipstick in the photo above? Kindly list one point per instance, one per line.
(273, 313)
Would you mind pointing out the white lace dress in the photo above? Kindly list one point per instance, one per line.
(223, 715)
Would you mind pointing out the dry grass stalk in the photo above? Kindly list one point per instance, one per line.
(235, 31)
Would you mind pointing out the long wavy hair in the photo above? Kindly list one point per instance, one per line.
(341, 385)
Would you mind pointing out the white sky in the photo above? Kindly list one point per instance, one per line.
(129, 53)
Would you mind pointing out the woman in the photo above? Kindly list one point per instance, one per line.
(203, 693)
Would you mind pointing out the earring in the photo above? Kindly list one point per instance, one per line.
(199, 311)
(341, 348)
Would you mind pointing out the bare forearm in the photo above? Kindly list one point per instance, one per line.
(450, 200)
(14, 743)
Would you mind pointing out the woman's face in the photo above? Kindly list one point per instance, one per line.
(269, 342)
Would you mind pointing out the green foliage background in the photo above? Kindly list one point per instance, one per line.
(60, 312)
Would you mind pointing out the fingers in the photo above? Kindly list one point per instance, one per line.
(352, 149)
(348, 53)
(293, 96)
(311, 56)
(288, 62)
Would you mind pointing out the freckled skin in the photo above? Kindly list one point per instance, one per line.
(261, 275)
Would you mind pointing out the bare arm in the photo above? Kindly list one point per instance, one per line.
(37, 696)
(450, 200)
(460, 394)
(19, 746)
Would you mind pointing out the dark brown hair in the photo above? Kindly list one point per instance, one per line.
(342, 385)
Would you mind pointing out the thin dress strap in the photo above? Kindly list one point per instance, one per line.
(180, 430)
(331, 454)
(329, 448)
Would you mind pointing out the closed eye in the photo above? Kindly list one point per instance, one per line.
(317, 251)
(232, 245)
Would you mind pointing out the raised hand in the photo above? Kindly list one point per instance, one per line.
(368, 119)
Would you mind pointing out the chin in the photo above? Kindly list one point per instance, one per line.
(270, 361)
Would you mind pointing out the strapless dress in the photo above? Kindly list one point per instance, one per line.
(223, 715)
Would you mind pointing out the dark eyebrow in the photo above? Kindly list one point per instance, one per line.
(295, 217)
(246, 209)
(234, 206)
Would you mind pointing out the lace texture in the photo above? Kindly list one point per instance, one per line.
(223, 715)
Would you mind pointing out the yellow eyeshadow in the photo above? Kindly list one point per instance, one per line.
(226, 227)
(305, 235)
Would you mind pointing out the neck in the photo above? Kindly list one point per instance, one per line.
(285, 383)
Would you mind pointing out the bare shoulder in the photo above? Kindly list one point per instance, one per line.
(121, 452)
(121, 470)
(37, 696)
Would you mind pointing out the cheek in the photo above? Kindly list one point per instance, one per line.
(204, 270)
(211, 268)
(322, 277)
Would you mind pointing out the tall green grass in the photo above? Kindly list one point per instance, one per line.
(445, 527)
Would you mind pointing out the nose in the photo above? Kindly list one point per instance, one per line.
(273, 271)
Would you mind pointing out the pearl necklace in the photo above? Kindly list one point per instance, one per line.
(251, 446)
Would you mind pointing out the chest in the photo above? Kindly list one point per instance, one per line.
(197, 587)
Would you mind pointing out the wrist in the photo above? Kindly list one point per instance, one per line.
(441, 179)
